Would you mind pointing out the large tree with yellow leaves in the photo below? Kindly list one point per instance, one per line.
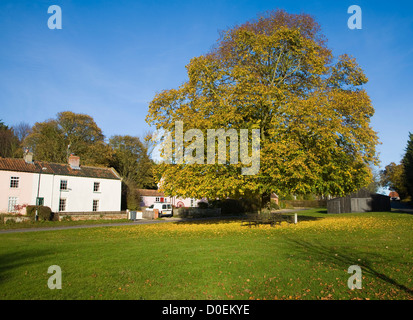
(275, 74)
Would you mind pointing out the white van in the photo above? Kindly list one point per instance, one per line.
(164, 209)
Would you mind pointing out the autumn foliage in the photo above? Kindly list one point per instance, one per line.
(275, 74)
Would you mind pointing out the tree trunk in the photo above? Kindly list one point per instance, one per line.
(265, 199)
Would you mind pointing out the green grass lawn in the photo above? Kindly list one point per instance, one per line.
(216, 260)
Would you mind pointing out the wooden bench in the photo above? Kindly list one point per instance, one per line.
(251, 219)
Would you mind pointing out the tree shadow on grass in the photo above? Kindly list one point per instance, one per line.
(401, 207)
(301, 218)
(344, 258)
(288, 217)
(12, 260)
(211, 220)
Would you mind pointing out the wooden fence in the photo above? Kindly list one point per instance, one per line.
(306, 203)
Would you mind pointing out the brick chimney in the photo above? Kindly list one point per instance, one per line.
(28, 156)
(74, 162)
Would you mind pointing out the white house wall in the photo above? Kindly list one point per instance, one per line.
(79, 196)
(23, 193)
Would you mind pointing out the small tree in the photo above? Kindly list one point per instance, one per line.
(53, 140)
(392, 177)
(407, 163)
(131, 198)
(9, 143)
(132, 161)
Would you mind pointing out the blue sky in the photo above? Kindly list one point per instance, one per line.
(111, 57)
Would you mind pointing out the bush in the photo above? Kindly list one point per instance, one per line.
(10, 221)
(274, 205)
(54, 216)
(285, 205)
(44, 213)
(67, 218)
(228, 206)
(203, 205)
(287, 197)
(234, 206)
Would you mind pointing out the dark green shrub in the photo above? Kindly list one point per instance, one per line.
(285, 205)
(287, 197)
(54, 216)
(228, 206)
(274, 205)
(10, 221)
(203, 205)
(44, 213)
(250, 205)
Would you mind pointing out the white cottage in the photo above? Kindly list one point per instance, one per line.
(62, 187)
(149, 197)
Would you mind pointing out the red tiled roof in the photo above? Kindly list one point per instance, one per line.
(393, 194)
(20, 165)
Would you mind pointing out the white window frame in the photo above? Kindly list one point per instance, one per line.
(64, 204)
(11, 204)
(96, 183)
(14, 182)
(66, 184)
(95, 205)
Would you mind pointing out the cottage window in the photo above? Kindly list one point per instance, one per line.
(157, 199)
(96, 186)
(95, 205)
(63, 184)
(12, 204)
(62, 205)
(14, 182)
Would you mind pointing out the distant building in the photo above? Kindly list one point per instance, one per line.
(394, 196)
(274, 198)
(149, 197)
(62, 187)
(360, 201)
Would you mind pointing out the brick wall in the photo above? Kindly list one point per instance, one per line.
(105, 215)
